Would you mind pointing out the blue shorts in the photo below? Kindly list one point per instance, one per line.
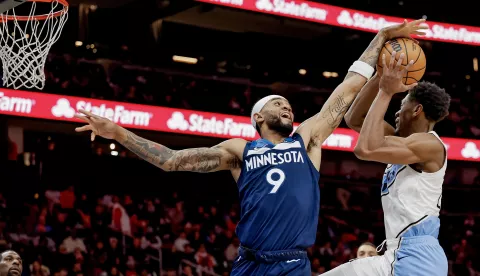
(271, 263)
(412, 256)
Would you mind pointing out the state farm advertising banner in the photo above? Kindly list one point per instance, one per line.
(62, 108)
(347, 18)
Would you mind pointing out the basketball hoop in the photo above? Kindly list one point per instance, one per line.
(25, 41)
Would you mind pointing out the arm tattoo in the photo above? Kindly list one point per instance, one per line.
(148, 150)
(334, 112)
(197, 160)
(193, 160)
(371, 54)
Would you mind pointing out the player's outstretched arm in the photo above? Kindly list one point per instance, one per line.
(224, 156)
(317, 129)
(374, 145)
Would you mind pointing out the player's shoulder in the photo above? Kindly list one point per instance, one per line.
(425, 142)
(234, 146)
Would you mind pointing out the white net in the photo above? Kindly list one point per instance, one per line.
(25, 41)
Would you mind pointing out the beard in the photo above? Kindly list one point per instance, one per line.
(275, 123)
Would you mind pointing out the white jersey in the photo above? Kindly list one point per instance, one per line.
(411, 200)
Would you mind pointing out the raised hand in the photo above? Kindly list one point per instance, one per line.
(391, 81)
(97, 125)
(406, 29)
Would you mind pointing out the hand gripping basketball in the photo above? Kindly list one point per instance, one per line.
(391, 81)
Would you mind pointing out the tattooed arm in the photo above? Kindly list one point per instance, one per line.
(224, 156)
(316, 129)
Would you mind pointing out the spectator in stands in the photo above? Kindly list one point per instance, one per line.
(366, 249)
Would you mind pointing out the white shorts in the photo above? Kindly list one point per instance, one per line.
(413, 256)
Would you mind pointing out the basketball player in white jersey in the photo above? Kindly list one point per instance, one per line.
(412, 184)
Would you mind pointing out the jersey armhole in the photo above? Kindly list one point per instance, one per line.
(296, 136)
(445, 157)
(244, 155)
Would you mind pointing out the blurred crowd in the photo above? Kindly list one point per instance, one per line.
(115, 81)
(121, 217)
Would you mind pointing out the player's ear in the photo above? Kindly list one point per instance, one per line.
(258, 118)
(417, 110)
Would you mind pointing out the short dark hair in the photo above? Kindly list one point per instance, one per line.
(367, 243)
(435, 100)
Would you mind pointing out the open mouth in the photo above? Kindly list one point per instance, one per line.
(285, 115)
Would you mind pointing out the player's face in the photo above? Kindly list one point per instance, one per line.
(404, 116)
(13, 262)
(366, 251)
(279, 116)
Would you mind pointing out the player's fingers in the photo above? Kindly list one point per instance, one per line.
(392, 60)
(88, 113)
(384, 64)
(400, 61)
(82, 117)
(411, 86)
(84, 128)
(419, 33)
(92, 136)
(417, 22)
(422, 27)
(409, 65)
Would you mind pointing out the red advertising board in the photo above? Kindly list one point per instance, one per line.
(348, 18)
(62, 108)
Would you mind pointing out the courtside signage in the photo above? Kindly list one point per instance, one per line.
(352, 19)
(154, 118)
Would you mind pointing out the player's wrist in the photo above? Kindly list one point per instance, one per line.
(385, 93)
(362, 68)
(120, 134)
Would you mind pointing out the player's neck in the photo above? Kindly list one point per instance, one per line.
(421, 126)
(273, 137)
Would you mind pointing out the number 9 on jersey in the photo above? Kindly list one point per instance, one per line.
(279, 175)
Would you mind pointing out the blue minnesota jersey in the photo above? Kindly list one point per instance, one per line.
(279, 196)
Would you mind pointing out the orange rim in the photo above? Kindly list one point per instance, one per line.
(42, 16)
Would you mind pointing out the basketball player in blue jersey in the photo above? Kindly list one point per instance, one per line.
(277, 175)
(412, 184)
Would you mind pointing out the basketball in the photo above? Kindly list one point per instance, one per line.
(412, 51)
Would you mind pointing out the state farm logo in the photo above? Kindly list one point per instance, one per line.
(363, 21)
(16, 104)
(291, 8)
(117, 113)
(471, 151)
(63, 109)
(177, 121)
(345, 19)
(197, 123)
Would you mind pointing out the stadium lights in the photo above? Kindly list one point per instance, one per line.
(112, 146)
(327, 74)
(302, 71)
(114, 153)
(78, 43)
(475, 64)
(183, 59)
